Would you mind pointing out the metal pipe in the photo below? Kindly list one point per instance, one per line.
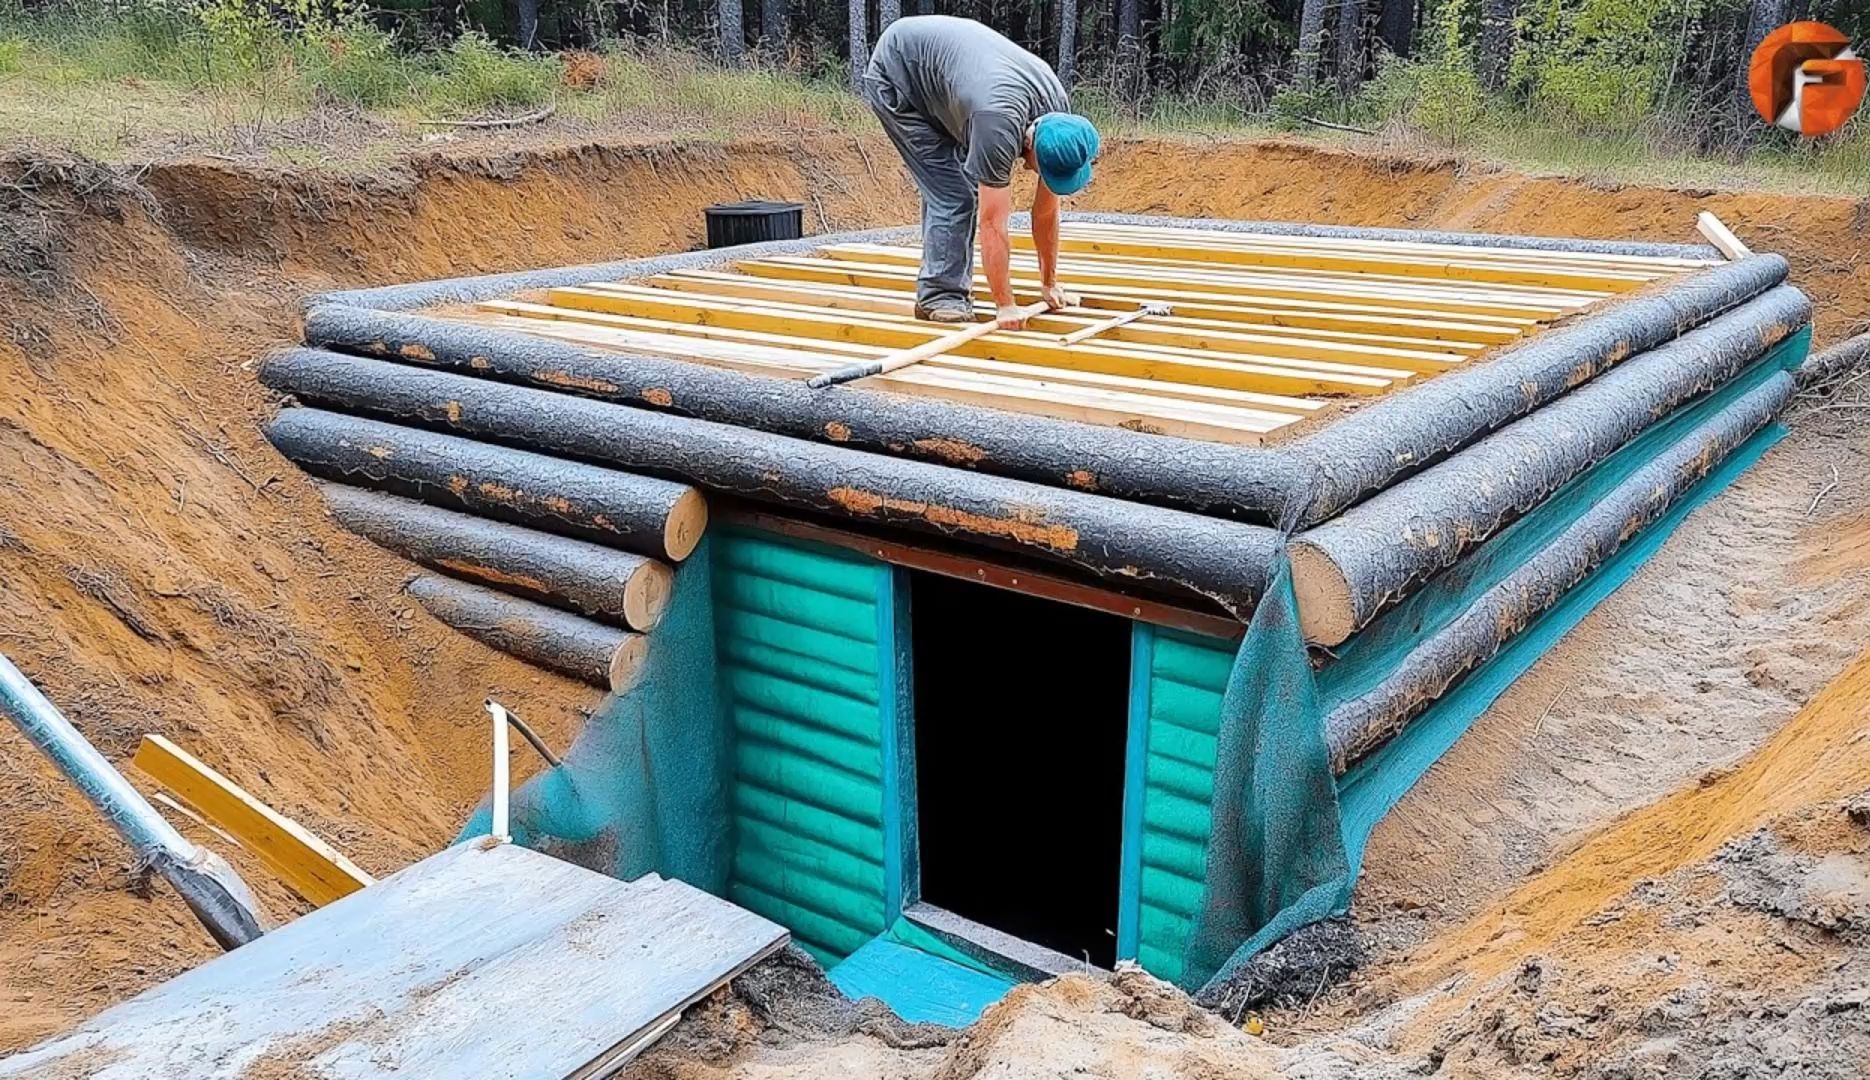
(213, 891)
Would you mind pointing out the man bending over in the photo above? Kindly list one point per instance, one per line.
(964, 106)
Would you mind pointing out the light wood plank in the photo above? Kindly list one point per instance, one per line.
(482, 960)
(1260, 288)
(1113, 359)
(1446, 267)
(1475, 326)
(308, 865)
(1323, 282)
(813, 354)
(901, 301)
(1060, 400)
(1659, 264)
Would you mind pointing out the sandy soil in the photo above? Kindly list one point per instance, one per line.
(161, 569)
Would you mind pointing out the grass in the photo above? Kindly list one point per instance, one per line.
(230, 81)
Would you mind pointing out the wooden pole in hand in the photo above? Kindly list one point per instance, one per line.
(933, 347)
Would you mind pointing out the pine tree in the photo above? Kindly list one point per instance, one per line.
(1067, 42)
(773, 26)
(1311, 30)
(1396, 26)
(733, 34)
(859, 42)
(1496, 42)
(1350, 44)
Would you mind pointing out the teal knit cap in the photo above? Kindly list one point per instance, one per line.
(1064, 144)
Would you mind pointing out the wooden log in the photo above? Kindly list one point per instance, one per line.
(1359, 725)
(542, 636)
(635, 513)
(1223, 560)
(1125, 464)
(1333, 467)
(600, 582)
(1832, 367)
(1402, 433)
(1354, 566)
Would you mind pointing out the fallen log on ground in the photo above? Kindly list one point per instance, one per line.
(1351, 568)
(635, 513)
(591, 579)
(1833, 366)
(1223, 560)
(1400, 433)
(1359, 725)
(1159, 469)
(542, 636)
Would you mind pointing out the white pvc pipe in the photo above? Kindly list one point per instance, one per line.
(500, 829)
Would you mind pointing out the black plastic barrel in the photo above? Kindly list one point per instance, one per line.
(752, 221)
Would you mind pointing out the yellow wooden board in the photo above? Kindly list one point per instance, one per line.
(1263, 331)
(308, 865)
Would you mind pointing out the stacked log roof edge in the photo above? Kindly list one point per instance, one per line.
(1455, 458)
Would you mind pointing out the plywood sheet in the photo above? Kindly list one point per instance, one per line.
(486, 960)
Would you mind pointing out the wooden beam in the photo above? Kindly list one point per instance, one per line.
(900, 300)
(1116, 359)
(309, 866)
(1163, 415)
(1656, 264)
(1080, 272)
(813, 354)
(1276, 348)
(1163, 334)
(1445, 267)
(997, 575)
(1281, 311)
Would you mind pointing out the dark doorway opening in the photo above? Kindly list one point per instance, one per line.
(1021, 707)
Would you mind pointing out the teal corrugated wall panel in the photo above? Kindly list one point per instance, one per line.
(800, 667)
(1187, 676)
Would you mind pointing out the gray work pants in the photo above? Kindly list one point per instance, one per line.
(949, 200)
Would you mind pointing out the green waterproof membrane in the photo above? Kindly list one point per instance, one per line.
(767, 755)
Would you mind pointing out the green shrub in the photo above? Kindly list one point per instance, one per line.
(474, 75)
(358, 64)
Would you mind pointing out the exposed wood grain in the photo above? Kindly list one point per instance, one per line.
(486, 960)
(309, 866)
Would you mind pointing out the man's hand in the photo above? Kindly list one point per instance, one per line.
(1012, 317)
(1056, 297)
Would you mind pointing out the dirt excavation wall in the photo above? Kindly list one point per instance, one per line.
(153, 565)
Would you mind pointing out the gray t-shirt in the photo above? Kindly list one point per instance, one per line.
(970, 82)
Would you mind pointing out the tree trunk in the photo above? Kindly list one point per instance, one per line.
(1496, 42)
(635, 513)
(1129, 49)
(773, 27)
(888, 11)
(1311, 32)
(1067, 42)
(1351, 45)
(1396, 26)
(1350, 569)
(590, 579)
(859, 39)
(1224, 561)
(1362, 724)
(1763, 17)
(526, 24)
(733, 33)
(1828, 370)
(541, 636)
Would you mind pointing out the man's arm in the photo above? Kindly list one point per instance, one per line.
(996, 252)
(1045, 239)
